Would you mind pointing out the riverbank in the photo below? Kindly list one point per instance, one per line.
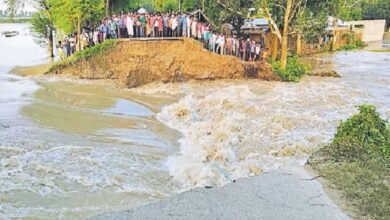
(136, 63)
(285, 194)
(36, 70)
(356, 163)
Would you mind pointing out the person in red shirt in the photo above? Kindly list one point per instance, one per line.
(243, 48)
(160, 25)
(151, 25)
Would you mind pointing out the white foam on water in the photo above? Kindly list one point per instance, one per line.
(75, 175)
(81, 165)
(248, 133)
(250, 127)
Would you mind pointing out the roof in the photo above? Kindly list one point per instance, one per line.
(339, 23)
(257, 23)
(260, 22)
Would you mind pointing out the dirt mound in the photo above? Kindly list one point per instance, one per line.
(135, 63)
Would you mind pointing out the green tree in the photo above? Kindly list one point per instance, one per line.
(115, 6)
(166, 5)
(342, 9)
(377, 9)
(42, 23)
(310, 23)
(134, 5)
(233, 11)
(71, 15)
(192, 5)
(12, 7)
(286, 11)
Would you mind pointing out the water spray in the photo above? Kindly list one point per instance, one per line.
(195, 118)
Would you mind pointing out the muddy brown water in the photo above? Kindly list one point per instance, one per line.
(70, 149)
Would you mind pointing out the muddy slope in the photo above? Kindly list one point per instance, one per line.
(135, 63)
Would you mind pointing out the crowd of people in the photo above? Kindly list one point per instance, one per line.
(163, 25)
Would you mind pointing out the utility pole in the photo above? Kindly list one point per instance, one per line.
(179, 5)
(107, 8)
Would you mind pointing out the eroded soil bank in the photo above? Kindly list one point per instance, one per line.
(135, 63)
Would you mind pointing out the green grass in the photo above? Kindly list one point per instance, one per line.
(295, 69)
(364, 185)
(84, 54)
(357, 163)
(353, 45)
(381, 51)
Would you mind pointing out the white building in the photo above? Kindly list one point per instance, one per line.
(371, 30)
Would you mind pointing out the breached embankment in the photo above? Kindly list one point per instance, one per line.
(134, 63)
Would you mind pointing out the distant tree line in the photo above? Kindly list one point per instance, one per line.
(4, 13)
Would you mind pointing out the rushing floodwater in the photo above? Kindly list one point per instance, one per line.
(71, 150)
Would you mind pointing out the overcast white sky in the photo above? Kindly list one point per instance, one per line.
(27, 5)
(2, 5)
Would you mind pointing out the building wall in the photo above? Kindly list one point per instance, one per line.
(373, 30)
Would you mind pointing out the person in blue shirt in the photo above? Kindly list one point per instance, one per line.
(119, 24)
(180, 25)
(112, 26)
(184, 25)
(166, 20)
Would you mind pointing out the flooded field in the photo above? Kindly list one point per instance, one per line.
(74, 149)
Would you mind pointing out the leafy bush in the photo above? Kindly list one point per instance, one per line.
(357, 45)
(357, 163)
(364, 136)
(84, 54)
(294, 71)
(95, 50)
(352, 43)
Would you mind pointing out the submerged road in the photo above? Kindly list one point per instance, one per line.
(292, 194)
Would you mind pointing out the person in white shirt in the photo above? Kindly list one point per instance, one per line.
(73, 42)
(189, 23)
(258, 50)
(234, 46)
(175, 23)
(130, 25)
(221, 44)
(96, 37)
(214, 39)
(194, 32)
